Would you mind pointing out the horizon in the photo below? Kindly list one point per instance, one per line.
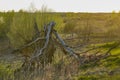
(77, 6)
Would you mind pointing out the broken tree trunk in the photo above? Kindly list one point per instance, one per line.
(47, 39)
(64, 45)
(45, 52)
(47, 43)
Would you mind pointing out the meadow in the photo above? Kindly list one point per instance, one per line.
(94, 37)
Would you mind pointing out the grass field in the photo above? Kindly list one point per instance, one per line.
(89, 30)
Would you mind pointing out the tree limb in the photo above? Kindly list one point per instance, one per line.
(47, 38)
(68, 49)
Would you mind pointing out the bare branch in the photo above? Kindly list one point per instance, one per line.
(68, 49)
(47, 38)
(29, 44)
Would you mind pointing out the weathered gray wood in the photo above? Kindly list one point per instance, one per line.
(47, 39)
(48, 34)
(68, 49)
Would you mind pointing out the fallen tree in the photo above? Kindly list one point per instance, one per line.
(50, 40)
(46, 46)
(49, 32)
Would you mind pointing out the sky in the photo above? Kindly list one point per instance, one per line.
(63, 5)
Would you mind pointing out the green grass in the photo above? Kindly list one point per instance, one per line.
(106, 46)
(110, 63)
(116, 51)
(87, 78)
(7, 69)
(95, 77)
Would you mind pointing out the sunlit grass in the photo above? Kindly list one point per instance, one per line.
(116, 51)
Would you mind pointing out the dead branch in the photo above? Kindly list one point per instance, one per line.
(45, 50)
(48, 30)
(27, 45)
(95, 58)
(68, 49)
(47, 38)
(113, 47)
(94, 48)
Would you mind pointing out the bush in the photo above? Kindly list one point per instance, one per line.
(21, 29)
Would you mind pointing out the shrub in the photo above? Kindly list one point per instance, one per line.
(21, 29)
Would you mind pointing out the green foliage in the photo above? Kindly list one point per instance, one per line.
(111, 62)
(87, 78)
(46, 15)
(43, 18)
(5, 21)
(6, 71)
(114, 77)
(2, 30)
(88, 65)
(96, 77)
(21, 29)
(116, 51)
(69, 27)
